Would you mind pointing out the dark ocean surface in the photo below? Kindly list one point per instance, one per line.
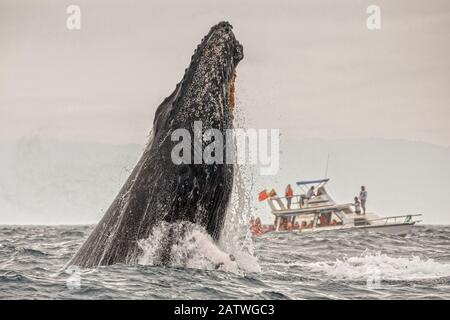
(325, 265)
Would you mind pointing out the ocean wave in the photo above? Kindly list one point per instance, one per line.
(31, 252)
(341, 265)
(72, 233)
(383, 267)
(13, 277)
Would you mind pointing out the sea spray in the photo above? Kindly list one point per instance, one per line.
(236, 238)
(386, 266)
(193, 248)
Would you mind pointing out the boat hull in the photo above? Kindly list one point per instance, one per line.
(399, 229)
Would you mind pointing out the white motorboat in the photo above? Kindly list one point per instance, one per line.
(321, 212)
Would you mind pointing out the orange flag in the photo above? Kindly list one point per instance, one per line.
(263, 195)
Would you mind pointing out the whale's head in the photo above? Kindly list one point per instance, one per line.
(206, 92)
(219, 53)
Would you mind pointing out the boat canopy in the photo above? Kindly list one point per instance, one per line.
(301, 183)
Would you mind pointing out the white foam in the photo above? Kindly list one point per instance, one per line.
(195, 249)
(384, 266)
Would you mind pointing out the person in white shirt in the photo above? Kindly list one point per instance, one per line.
(305, 197)
(357, 206)
(310, 193)
(363, 198)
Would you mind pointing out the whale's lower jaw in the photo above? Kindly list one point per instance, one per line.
(158, 190)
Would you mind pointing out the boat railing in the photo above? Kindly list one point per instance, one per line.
(298, 196)
(301, 201)
(293, 196)
(306, 211)
(407, 219)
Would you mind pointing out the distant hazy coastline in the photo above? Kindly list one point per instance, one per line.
(55, 182)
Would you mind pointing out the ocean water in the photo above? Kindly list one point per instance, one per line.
(327, 265)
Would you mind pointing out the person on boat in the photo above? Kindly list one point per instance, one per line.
(289, 194)
(308, 195)
(328, 217)
(324, 219)
(363, 198)
(311, 193)
(257, 228)
(320, 191)
(284, 224)
(357, 206)
(272, 193)
(296, 225)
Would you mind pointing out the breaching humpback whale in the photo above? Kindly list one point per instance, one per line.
(160, 191)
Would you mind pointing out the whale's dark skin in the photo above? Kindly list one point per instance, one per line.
(159, 190)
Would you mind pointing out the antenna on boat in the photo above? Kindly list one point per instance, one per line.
(326, 167)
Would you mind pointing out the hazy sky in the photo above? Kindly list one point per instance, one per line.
(311, 68)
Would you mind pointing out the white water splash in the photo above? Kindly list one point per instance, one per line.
(194, 248)
(236, 237)
(386, 267)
